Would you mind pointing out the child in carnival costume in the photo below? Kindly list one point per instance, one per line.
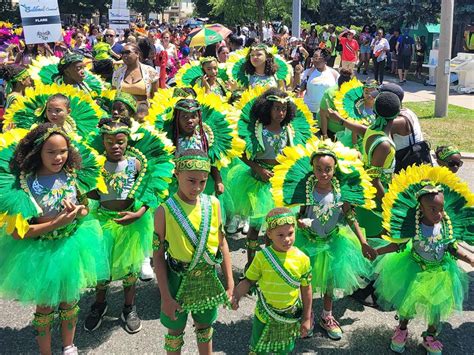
(450, 157)
(259, 65)
(270, 120)
(69, 70)
(137, 172)
(17, 79)
(204, 123)
(427, 211)
(44, 177)
(327, 180)
(282, 274)
(354, 101)
(208, 74)
(70, 108)
(188, 230)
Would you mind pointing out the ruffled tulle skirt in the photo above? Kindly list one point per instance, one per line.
(251, 197)
(128, 245)
(48, 272)
(337, 261)
(415, 290)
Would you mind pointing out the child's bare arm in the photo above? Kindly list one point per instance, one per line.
(242, 289)
(226, 260)
(307, 299)
(462, 255)
(367, 250)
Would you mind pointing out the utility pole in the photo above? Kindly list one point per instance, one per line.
(296, 23)
(444, 58)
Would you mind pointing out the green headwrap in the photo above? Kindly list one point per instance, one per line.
(323, 151)
(187, 105)
(67, 60)
(193, 163)
(447, 151)
(428, 187)
(127, 99)
(278, 220)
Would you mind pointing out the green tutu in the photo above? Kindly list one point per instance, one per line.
(337, 261)
(251, 198)
(414, 290)
(128, 245)
(48, 272)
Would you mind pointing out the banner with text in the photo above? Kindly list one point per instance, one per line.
(119, 19)
(41, 21)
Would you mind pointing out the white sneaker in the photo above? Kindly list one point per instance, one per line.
(70, 350)
(146, 273)
(245, 226)
(233, 225)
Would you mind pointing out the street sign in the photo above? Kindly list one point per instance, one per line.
(41, 21)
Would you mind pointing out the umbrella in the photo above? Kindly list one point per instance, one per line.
(208, 34)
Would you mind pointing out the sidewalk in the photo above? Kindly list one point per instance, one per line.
(416, 92)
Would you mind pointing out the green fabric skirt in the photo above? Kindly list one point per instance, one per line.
(127, 245)
(47, 272)
(414, 289)
(339, 268)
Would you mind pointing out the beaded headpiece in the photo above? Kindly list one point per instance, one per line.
(428, 187)
(127, 99)
(121, 128)
(323, 151)
(187, 105)
(208, 59)
(20, 76)
(50, 131)
(280, 220)
(279, 99)
(447, 151)
(260, 47)
(193, 163)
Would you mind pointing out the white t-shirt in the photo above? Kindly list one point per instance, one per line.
(317, 83)
(378, 46)
(402, 142)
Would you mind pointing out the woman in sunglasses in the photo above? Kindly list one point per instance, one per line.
(134, 77)
(449, 156)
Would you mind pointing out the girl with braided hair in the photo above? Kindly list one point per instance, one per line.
(49, 250)
(136, 172)
(17, 79)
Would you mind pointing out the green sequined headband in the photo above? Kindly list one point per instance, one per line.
(20, 76)
(209, 59)
(105, 129)
(428, 187)
(193, 163)
(50, 131)
(279, 99)
(447, 151)
(280, 220)
(323, 151)
(187, 105)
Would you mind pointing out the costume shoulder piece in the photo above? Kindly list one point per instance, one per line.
(347, 101)
(236, 69)
(17, 205)
(302, 127)
(294, 181)
(400, 203)
(155, 153)
(43, 69)
(189, 73)
(31, 109)
(219, 123)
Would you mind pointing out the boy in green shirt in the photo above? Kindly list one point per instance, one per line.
(282, 274)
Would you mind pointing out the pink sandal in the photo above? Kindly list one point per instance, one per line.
(399, 340)
(432, 345)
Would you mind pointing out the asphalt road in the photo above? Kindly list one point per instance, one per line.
(366, 330)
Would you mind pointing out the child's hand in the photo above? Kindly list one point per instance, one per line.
(235, 300)
(264, 174)
(170, 307)
(219, 188)
(67, 215)
(305, 327)
(232, 85)
(369, 252)
(305, 222)
(230, 293)
(127, 217)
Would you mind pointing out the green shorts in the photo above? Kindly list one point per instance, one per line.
(206, 317)
(257, 330)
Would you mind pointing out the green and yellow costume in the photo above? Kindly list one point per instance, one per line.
(423, 279)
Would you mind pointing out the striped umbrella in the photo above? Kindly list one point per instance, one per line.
(209, 34)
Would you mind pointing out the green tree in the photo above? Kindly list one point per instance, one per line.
(9, 12)
(147, 6)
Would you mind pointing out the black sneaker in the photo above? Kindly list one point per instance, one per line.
(133, 324)
(94, 318)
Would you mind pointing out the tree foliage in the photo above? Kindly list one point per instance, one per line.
(147, 6)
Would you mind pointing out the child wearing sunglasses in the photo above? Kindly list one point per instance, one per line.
(450, 157)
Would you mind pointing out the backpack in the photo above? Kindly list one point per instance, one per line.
(405, 46)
